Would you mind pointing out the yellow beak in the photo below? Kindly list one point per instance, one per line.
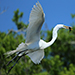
(67, 27)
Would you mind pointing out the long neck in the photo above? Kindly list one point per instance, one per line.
(51, 42)
(56, 28)
(53, 38)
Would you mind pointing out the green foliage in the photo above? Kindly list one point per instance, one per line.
(71, 70)
(73, 15)
(59, 58)
(53, 65)
(17, 20)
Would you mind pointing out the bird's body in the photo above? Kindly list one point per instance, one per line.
(35, 46)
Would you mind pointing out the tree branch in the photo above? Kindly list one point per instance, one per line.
(4, 10)
(16, 31)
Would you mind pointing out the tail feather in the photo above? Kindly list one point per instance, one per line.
(10, 52)
(20, 48)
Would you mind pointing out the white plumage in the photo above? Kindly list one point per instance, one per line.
(33, 41)
(36, 56)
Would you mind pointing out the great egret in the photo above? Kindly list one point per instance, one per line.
(34, 46)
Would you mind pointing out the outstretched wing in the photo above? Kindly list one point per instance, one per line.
(35, 23)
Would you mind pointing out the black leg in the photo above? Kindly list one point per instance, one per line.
(15, 57)
(12, 60)
(16, 62)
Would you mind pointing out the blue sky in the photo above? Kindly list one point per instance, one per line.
(56, 11)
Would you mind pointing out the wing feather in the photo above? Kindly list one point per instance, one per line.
(36, 56)
(35, 23)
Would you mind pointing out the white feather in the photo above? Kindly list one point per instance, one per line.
(36, 20)
(36, 56)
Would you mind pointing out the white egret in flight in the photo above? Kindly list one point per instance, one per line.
(34, 46)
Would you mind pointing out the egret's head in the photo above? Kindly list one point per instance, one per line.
(59, 26)
(67, 27)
